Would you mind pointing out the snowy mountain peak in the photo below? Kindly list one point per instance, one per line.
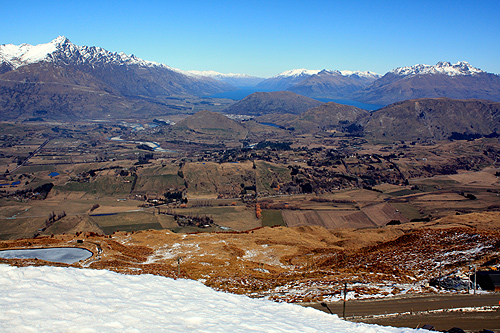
(217, 75)
(442, 67)
(61, 40)
(310, 72)
(62, 50)
(298, 72)
(366, 74)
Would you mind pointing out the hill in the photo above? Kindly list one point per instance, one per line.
(326, 117)
(332, 115)
(434, 118)
(213, 124)
(459, 81)
(261, 103)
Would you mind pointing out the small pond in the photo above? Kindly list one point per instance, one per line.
(66, 255)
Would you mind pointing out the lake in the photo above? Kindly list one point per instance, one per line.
(244, 92)
(66, 255)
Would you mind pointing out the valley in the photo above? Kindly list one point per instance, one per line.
(277, 195)
(289, 217)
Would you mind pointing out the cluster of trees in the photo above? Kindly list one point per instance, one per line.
(258, 211)
(39, 193)
(176, 196)
(193, 221)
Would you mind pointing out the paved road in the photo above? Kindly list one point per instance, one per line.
(421, 309)
(30, 156)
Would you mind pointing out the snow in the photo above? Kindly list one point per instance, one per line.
(460, 68)
(57, 299)
(310, 72)
(298, 72)
(25, 53)
(62, 50)
(217, 75)
(367, 74)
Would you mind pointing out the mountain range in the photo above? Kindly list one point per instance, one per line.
(416, 120)
(460, 80)
(60, 80)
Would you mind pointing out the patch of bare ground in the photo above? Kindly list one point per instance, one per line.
(369, 216)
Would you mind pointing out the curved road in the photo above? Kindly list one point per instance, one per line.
(425, 309)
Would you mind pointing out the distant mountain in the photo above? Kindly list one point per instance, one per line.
(333, 84)
(62, 79)
(320, 83)
(261, 103)
(237, 80)
(286, 79)
(433, 118)
(460, 81)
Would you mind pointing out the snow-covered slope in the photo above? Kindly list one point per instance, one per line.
(309, 72)
(442, 67)
(79, 82)
(238, 80)
(218, 75)
(287, 80)
(459, 81)
(298, 72)
(365, 74)
(56, 299)
(63, 50)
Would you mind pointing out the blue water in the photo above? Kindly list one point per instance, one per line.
(104, 214)
(53, 174)
(368, 107)
(242, 93)
(273, 125)
(16, 183)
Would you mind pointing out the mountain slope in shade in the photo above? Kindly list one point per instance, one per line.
(63, 77)
(435, 118)
(331, 115)
(261, 103)
(459, 81)
(326, 117)
(333, 84)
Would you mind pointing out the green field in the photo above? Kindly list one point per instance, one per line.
(271, 218)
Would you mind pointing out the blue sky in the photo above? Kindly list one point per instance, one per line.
(264, 38)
